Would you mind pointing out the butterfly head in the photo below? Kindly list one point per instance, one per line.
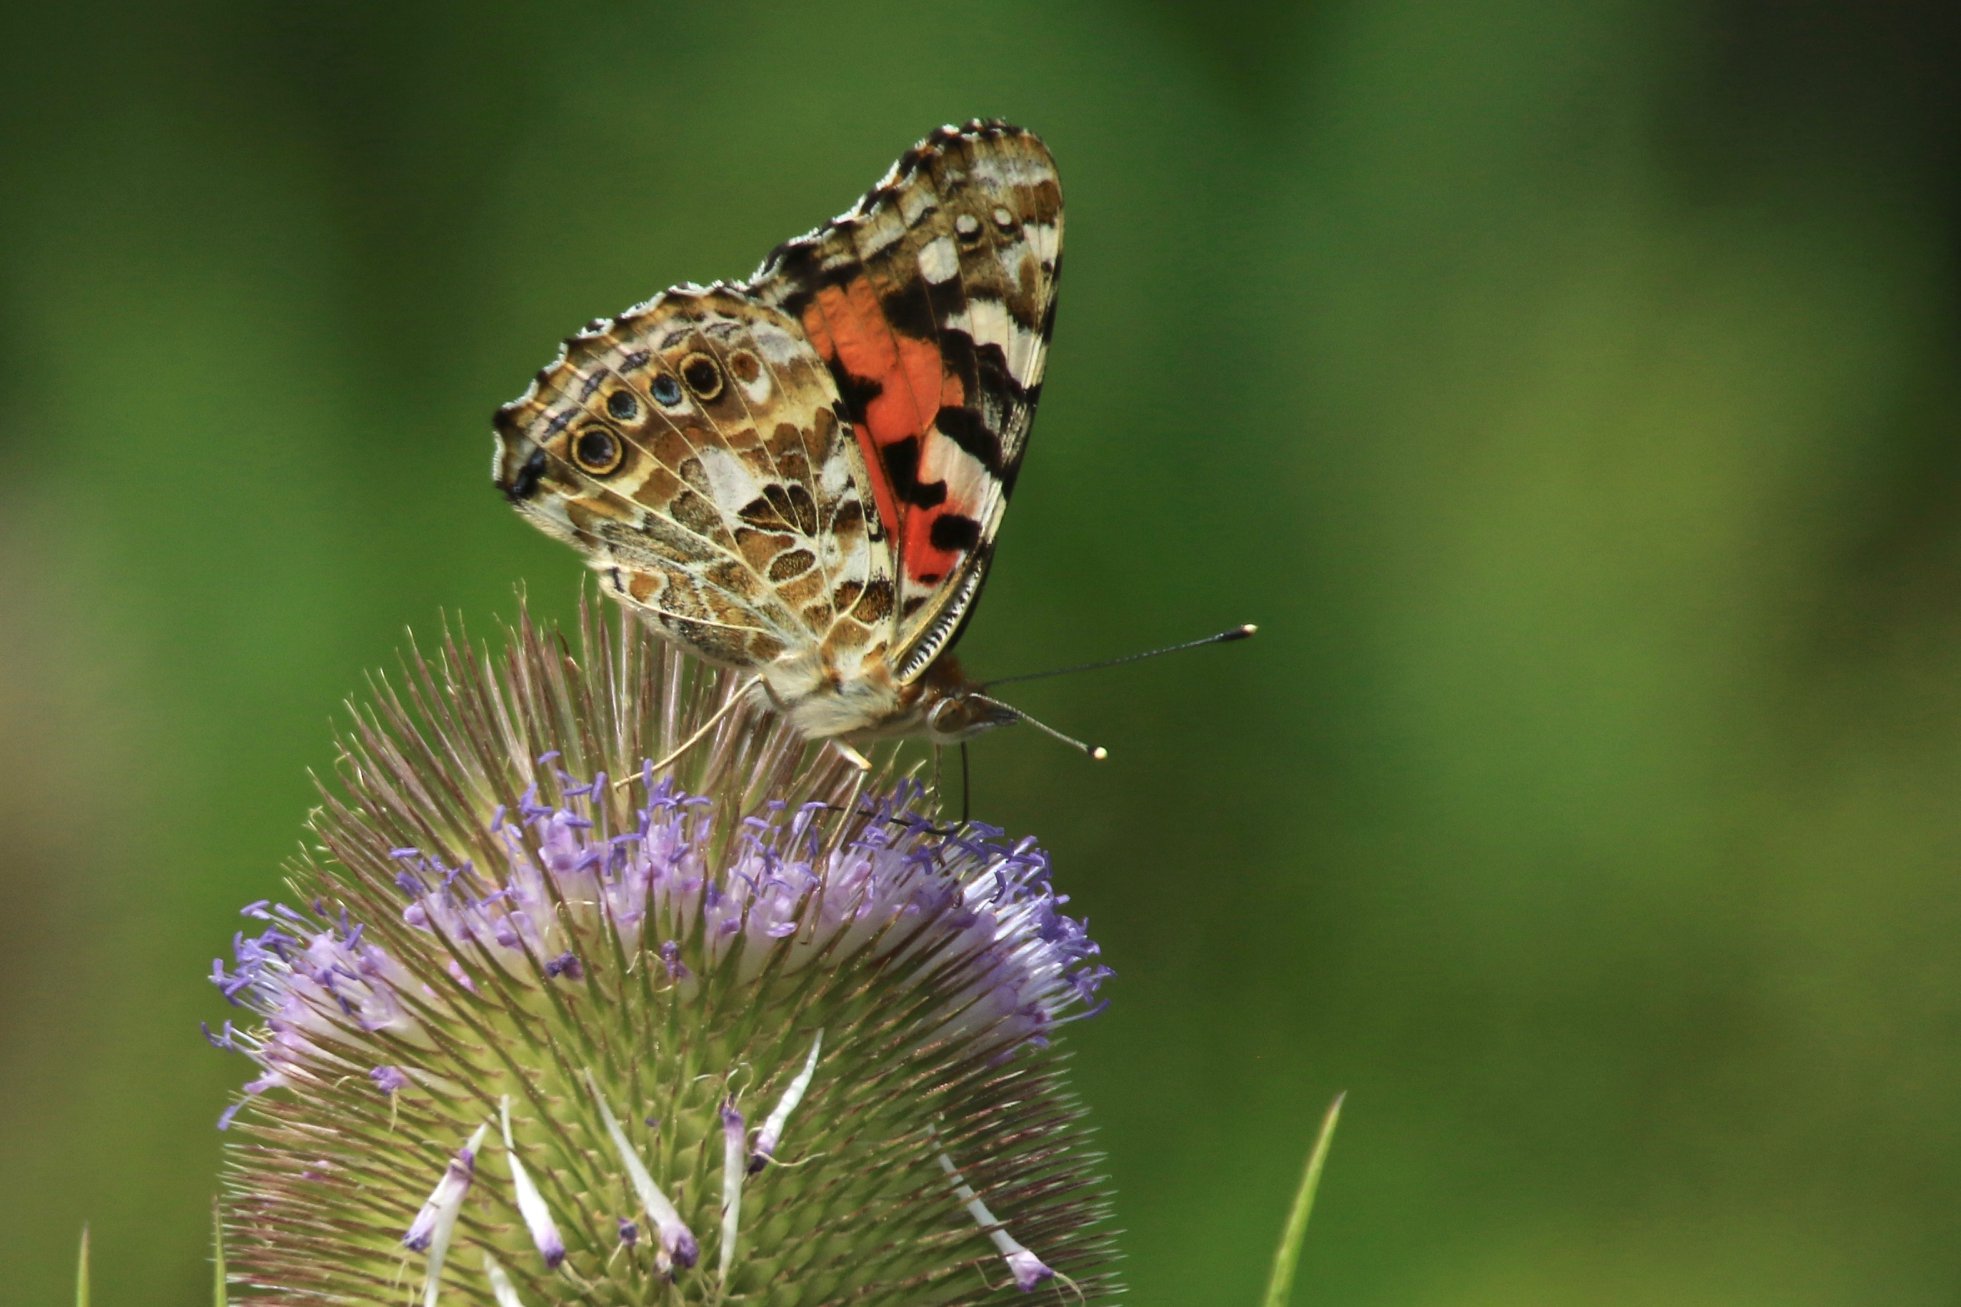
(955, 709)
(962, 712)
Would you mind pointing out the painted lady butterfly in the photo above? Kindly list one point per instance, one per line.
(802, 474)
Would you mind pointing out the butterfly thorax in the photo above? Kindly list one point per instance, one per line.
(869, 703)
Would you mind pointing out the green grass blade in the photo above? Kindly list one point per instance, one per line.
(217, 1255)
(82, 1273)
(1280, 1290)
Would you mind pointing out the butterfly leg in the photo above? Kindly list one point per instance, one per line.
(966, 791)
(851, 755)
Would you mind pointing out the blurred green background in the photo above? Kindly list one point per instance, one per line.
(1570, 392)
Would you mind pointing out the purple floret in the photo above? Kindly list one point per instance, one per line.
(1021, 965)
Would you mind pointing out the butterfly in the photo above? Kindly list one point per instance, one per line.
(802, 475)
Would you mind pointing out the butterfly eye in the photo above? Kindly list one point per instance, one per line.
(622, 405)
(598, 451)
(944, 716)
(667, 390)
(702, 376)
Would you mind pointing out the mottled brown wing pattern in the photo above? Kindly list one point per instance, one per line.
(693, 449)
(803, 474)
(932, 303)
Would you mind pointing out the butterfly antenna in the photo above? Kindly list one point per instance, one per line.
(1095, 751)
(1223, 637)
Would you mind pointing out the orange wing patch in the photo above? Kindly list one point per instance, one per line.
(850, 331)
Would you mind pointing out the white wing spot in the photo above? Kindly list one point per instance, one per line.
(834, 477)
(778, 346)
(883, 235)
(729, 479)
(939, 261)
(913, 203)
(988, 320)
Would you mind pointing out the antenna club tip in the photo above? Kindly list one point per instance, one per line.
(1250, 628)
(1098, 753)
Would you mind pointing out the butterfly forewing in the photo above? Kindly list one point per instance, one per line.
(931, 302)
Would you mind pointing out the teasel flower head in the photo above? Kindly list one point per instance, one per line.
(542, 1022)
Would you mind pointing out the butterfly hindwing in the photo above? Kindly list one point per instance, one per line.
(693, 449)
(931, 303)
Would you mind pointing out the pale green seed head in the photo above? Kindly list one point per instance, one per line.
(755, 1029)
